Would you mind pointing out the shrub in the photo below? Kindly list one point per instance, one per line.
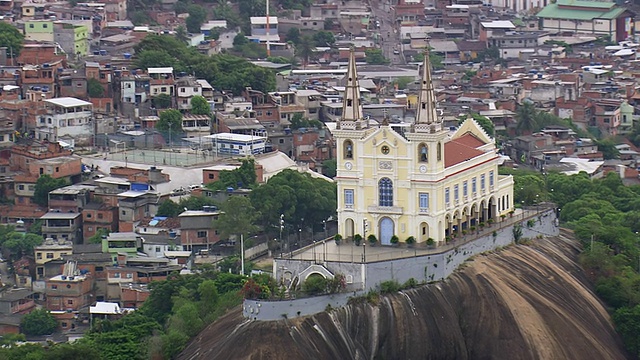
(410, 284)
(372, 239)
(338, 239)
(357, 238)
(388, 287)
(410, 240)
(395, 239)
(315, 285)
(431, 242)
(38, 322)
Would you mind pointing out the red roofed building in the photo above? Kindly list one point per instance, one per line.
(425, 180)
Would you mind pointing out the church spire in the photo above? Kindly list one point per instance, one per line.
(427, 113)
(351, 107)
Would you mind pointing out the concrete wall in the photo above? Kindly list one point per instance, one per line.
(432, 267)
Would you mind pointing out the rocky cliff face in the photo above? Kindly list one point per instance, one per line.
(525, 302)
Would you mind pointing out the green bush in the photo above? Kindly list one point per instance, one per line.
(388, 287)
(315, 285)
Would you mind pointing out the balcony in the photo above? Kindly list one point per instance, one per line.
(348, 207)
(396, 210)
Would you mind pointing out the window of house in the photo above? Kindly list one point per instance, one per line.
(439, 151)
(259, 113)
(183, 90)
(41, 171)
(163, 89)
(99, 268)
(89, 215)
(100, 216)
(385, 192)
(283, 116)
(38, 255)
(348, 198)
(30, 25)
(211, 176)
(202, 234)
(69, 302)
(90, 228)
(116, 275)
(54, 287)
(491, 178)
(49, 255)
(157, 248)
(482, 181)
(473, 185)
(129, 276)
(446, 195)
(124, 212)
(20, 187)
(455, 192)
(424, 201)
(57, 169)
(281, 141)
(269, 113)
(464, 188)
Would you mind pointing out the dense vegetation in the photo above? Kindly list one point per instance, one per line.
(177, 309)
(605, 216)
(222, 71)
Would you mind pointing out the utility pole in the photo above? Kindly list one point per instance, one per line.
(281, 228)
(268, 32)
(242, 253)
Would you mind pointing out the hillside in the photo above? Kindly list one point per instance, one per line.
(525, 302)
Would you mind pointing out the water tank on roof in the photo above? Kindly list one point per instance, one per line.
(133, 72)
(45, 88)
(173, 234)
(103, 52)
(287, 131)
(108, 66)
(37, 88)
(127, 56)
(302, 130)
(182, 73)
(60, 70)
(46, 65)
(96, 53)
(539, 76)
(229, 189)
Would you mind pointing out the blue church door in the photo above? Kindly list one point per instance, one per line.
(386, 231)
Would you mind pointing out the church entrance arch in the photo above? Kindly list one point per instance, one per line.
(491, 208)
(348, 229)
(386, 230)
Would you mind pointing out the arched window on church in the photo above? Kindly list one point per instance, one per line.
(348, 149)
(439, 151)
(385, 192)
(423, 153)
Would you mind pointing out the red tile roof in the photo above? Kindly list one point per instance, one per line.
(22, 211)
(470, 140)
(461, 149)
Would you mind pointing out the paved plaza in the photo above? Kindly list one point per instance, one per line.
(328, 250)
(178, 156)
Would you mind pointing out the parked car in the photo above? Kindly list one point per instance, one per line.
(179, 191)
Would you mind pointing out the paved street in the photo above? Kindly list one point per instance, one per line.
(382, 11)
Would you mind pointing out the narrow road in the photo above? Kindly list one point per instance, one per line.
(382, 10)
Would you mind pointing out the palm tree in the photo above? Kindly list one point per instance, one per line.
(305, 49)
(526, 115)
(181, 34)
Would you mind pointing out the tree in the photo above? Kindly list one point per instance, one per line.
(11, 38)
(38, 322)
(293, 35)
(97, 237)
(94, 88)
(237, 217)
(44, 185)
(170, 119)
(243, 177)
(200, 106)
(169, 208)
(403, 81)
(526, 115)
(608, 149)
(324, 38)
(305, 49)
(485, 123)
(302, 199)
(197, 16)
(329, 168)
(299, 121)
(162, 101)
(375, 57)
(154, 58)
(19, 244)
(240, 40)
(181, 34)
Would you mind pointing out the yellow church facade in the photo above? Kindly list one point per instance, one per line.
(426, 181)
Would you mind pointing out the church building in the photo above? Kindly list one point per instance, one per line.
(425, 181)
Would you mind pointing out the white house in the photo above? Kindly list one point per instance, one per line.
(65, 116)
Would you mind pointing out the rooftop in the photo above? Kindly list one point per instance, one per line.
(556, 11)
(60, 215)
(68, 102)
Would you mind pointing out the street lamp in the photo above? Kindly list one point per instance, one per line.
(281, 228)
(324, 226)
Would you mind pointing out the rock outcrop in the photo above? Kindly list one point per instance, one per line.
(524, 302)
